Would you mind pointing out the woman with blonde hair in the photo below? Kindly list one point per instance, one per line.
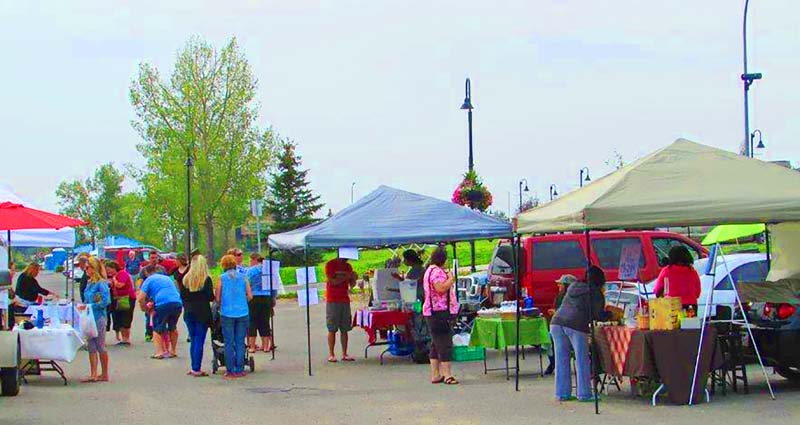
(28, 288)
(97, 297)
(197, 293)
(232, 295)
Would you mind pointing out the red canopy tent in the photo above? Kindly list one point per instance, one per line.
(18, 217)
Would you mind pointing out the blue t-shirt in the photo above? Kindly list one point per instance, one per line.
(254, 277)
(161, 289)
(233, 299)
(98, 304)
(133, 266)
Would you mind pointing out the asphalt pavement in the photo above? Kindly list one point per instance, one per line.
(144, 391)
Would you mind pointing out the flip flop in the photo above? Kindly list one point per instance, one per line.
(451, 380)
(88, 380)
(157, 357)
(251, 351)
(348, 359)
(438, 381)
(101, 379)
(332, 360)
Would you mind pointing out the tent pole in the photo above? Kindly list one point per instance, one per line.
(273, 301)
(66, 277)
(308, 309)
(766, 237)
(515, 247)
(8, 245)
(591, 325)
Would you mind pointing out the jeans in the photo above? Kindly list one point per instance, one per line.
(197, 333)
(234, 330)
(565, 339)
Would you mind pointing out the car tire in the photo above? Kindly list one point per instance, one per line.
(9, 381)
(790, 373)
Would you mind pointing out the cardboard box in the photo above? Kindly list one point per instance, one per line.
(664, 313)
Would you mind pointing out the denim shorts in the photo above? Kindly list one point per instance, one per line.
(166, 317)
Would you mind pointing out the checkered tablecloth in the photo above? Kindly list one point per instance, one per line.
(619, 340)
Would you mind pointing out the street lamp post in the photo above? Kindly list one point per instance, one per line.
(748, 79)
(352, 187)
(189, 165)
(587, 179)
(467, 106)
(553, 192)
(752, 141)
(522, 190)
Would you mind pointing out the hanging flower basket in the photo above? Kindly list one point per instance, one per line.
(472, 193)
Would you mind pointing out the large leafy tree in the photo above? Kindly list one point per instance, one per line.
(96, 200)
(206, 109)
(291, 202)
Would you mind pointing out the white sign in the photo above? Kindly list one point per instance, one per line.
(313, 294)
(300, 273)
(256, 207)
(3, 300)
(629, 262)
(349, 252)
(271, 270)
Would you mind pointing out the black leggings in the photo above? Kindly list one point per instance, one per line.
(260, 312)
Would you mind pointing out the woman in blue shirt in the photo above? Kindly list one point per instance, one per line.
(232, 295)
(97, 297)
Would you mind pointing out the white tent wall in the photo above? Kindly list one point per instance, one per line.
(784, 250)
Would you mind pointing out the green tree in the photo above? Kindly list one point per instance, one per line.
(97, 200)
(291, 202)
(206, 109)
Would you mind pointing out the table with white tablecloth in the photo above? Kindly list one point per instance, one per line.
(47, 346)
(67, 313)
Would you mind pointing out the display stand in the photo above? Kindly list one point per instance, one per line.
(744, 322)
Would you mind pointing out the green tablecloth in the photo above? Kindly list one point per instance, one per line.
(497, 333)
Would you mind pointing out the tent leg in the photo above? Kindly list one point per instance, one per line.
(273, 300)
(8, 245)
(706, 310)
(514, 245)
(592, 365)
(308, 310)
(66, 277)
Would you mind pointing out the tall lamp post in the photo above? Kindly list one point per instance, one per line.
(189, 165)
(352, 187)
(587, 179)
(553, 192)
(467, 106)
(752, 140)
(522, 190)
(748, 79)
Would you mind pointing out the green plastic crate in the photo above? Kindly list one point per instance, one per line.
(468, 354)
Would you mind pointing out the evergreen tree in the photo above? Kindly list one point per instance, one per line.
(291, 202)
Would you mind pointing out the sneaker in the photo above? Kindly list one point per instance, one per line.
(562, 399)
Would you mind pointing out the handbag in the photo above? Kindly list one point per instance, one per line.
(123, 303)
(440, 320)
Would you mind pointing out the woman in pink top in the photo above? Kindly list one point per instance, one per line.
(679, 278)
(124, 296)
(439, 307)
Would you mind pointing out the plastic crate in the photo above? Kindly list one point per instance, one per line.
(468, 354)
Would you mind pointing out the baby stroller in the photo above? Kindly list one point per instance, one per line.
(218, 344)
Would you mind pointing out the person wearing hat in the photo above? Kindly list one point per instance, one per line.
(563, 284)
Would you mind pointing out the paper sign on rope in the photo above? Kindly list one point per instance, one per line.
(300, 273)
(271, 269)
(629, 262)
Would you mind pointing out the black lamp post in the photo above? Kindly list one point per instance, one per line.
(748, 79)
(522, 190)
(467, 106)
(189, 165)
(752, 140)
(553, 192)
(582, 179)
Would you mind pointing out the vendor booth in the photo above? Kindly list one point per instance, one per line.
(684, 184)
(389, 217)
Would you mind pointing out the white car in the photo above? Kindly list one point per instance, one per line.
(740, 267)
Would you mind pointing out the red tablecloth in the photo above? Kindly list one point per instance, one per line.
(373, 321)
(619, 339)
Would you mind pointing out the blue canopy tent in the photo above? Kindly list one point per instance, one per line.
(391, 217)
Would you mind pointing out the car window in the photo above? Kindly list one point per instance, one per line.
(608, 251)
(750, 272)
(503, 260)
(663, 245)
(558, 255)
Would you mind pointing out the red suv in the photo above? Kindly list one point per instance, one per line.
(548, 257)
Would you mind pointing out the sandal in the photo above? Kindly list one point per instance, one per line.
(157, 357)
(332, 359)
(438, 381)
(451, 380)
(348, 359)
(88, 380)
(251, 350)
(103, 379)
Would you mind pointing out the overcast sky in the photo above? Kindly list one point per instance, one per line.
(371, 89)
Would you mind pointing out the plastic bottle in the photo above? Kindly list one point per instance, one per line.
(39, 318)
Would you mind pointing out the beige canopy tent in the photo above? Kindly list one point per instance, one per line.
(684, 184)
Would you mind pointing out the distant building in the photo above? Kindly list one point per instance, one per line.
(783, 163)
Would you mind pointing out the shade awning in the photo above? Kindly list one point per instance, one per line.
(15, 216)
(684, 184)
(390, 217)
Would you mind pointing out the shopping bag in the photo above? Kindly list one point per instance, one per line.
(88, 325)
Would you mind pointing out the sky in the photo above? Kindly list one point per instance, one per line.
(371, 90)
